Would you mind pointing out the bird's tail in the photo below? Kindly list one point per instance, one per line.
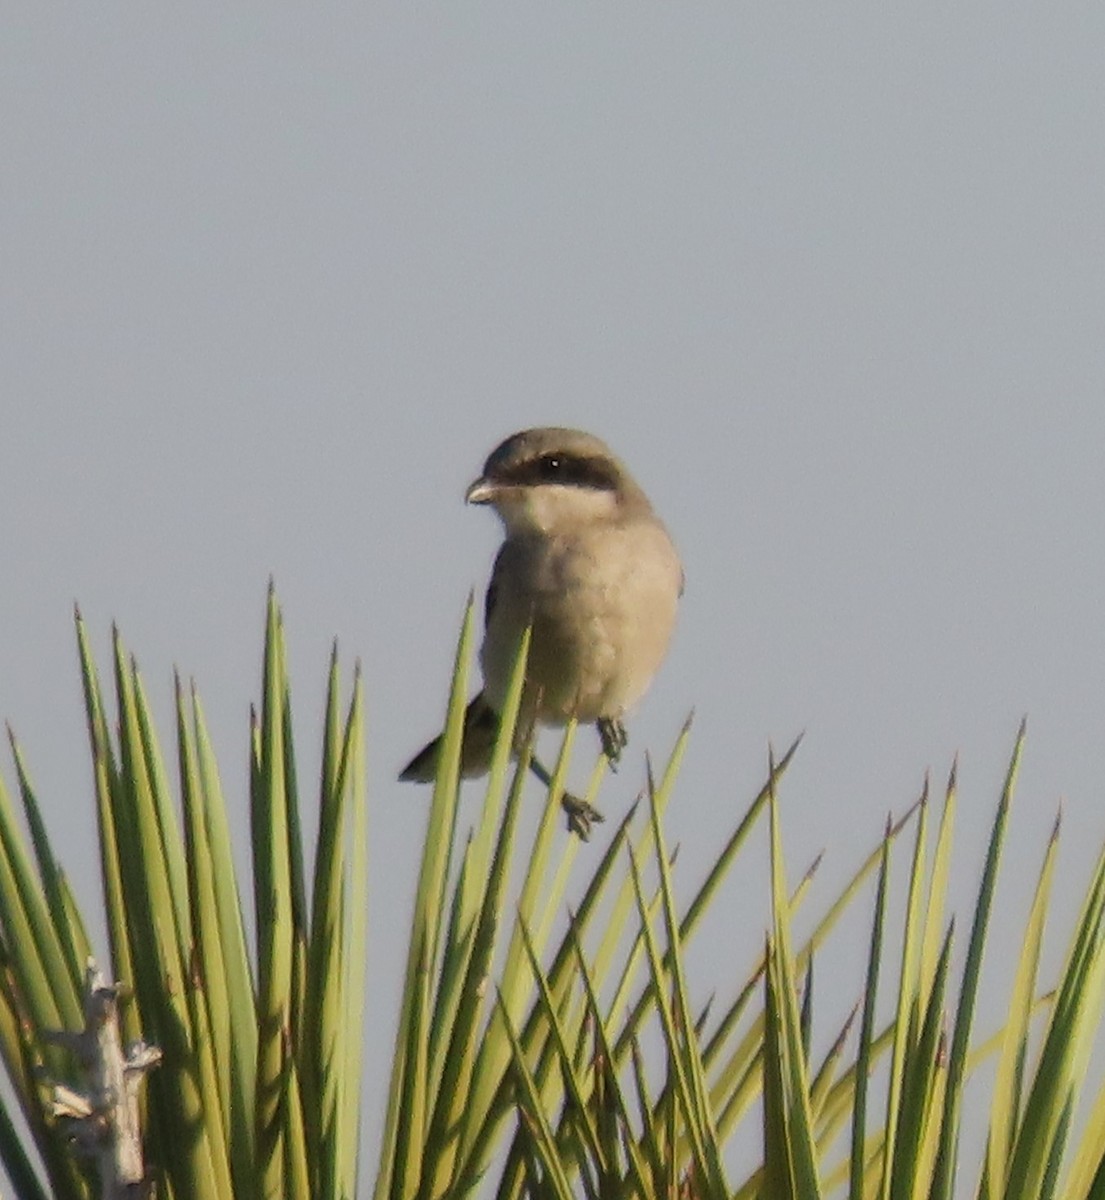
(481, 729)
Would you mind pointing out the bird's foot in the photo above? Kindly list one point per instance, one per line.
(581, 815)
(614, 739)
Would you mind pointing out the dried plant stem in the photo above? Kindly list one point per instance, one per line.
(104, 1116)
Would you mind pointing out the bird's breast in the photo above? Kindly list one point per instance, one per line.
(602, 605)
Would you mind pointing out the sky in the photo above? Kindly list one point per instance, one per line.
(829, 278)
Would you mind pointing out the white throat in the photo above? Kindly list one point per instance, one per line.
(549, 508)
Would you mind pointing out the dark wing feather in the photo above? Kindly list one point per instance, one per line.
(489, 602)
(505, 561)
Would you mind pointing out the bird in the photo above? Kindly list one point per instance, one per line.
(586, 564)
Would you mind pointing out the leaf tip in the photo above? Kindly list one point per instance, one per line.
(811, 870)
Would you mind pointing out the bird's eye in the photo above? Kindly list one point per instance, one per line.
(560, 469)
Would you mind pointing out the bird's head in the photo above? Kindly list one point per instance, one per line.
(550, 480)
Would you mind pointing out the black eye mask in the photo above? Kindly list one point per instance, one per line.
(564, 469)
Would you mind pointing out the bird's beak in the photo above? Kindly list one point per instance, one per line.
(480, 492)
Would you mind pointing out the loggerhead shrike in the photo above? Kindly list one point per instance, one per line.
(590, 565)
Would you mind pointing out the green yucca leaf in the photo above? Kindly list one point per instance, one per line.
(473, 957)
(293, 1143)
(241, 995)
(630, 973)
(221, 940)
(1065, 1051)
(534, 1113)
(155, 926)
(578, 1089)
(602, 959)
(789, 1168)
(208, 962)
(105, 771)
(408, 1112)
(805, 1014)
(301, 925)
(929, 1144)
(324, 1058)
(778, 1169)
(17, 1164)
(702, 897)
(540, 1046)
(539, 901)
(323, 1005)
(691, 1130)
(934, 930)
(836, 1113)
(476, 897)
(1086, 1176)
(621, 907)
(611, 1119)
(922, 1072)
(736, 1080)
(742, 1066)
(908, 999)
(271, 828)
(785, 1067)
(650, 1138)
(35, 952)
(22, 1059)
(516, 986)
(168, 833)
(355, 926)
(66, 919)
(711, 1174)
(821, 1085)
(831, 1116)
(576, 1017)
(604, 953)
(1008, 1083)
(206, 990)
(858, 1155)
(535, 1035)
(474, 1122)
(162, 967)
(944, 1179)
(613, 1093)
(38, 944)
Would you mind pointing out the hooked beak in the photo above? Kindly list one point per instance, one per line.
(481, 492)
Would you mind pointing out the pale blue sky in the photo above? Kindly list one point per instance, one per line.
(831, 278)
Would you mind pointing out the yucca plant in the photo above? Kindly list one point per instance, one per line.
(549, 1042)
(259, 1086)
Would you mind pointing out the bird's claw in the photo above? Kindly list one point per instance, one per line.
(614, 739)
(581, 815)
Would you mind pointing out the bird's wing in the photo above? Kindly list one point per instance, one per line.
(489, 602)
(507, 561)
